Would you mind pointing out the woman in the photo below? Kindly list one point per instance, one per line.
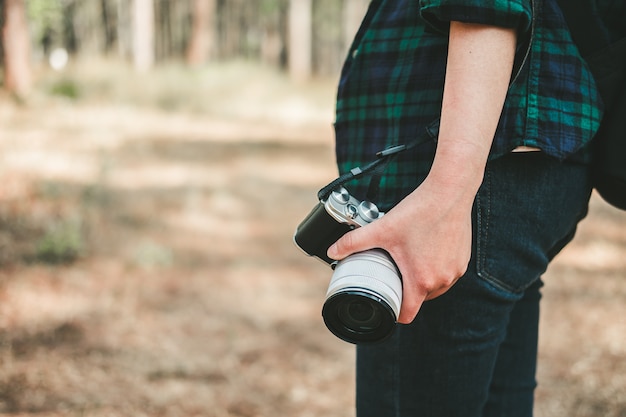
(475, 216)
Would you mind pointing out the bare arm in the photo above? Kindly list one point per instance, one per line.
(429, 234)
(480, 62)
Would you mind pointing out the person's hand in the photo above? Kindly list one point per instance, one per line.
(428, 235)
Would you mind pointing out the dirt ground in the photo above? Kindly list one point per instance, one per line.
(147, 267)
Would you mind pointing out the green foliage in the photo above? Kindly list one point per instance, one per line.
(268, 7)
(46, 19)
(62, 243)
(66, 88)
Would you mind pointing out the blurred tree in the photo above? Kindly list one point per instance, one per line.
(327, 40)
(16, 47)
(124, 41)
(273, 16)
(173, 20)
(305, 36)
(46, 23)
(300, 39)
(87, 25)
(239, 28)
(1, 26)
(109, 24)
(143, 34)
(202, 42)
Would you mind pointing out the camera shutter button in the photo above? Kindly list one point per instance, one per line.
(368, 211)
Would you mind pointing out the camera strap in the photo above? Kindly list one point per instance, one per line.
(377, 167)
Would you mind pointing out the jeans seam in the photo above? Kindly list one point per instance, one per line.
(482, 222)
(483, 204)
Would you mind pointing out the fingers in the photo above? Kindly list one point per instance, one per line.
(414, 297)
(411, 304)
(351, 242)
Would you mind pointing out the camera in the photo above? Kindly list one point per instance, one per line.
(365, 291)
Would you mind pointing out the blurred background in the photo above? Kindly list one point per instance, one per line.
(155, 158)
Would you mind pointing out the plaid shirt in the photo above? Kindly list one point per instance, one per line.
(392, 83)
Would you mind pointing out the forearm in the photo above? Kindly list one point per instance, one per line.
(428, 234)
(480, 62)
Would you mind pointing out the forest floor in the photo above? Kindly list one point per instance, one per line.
(147, 265)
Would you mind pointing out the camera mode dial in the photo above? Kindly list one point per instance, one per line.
(341, 195)
(348, 210)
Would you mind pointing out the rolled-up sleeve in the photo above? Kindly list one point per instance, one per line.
(515, 14)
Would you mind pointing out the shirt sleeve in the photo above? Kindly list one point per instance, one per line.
(515, 14)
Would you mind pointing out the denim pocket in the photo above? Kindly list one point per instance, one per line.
(526, 211)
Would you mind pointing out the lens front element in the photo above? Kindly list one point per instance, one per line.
(363, 298)
(360, 314)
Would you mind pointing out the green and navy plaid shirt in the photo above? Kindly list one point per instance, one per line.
(392, 82)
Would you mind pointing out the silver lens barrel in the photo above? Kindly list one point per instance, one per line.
(364, 297)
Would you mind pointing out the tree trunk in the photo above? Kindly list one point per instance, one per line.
(124, 32)
(109, 24)
(87, 26)
(300, 39)
(163, 35)
(143, 34)
(16, 46)
(202, 40)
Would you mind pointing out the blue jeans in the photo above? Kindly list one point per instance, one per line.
(472, 352)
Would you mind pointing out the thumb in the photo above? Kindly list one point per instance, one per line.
(352, 242)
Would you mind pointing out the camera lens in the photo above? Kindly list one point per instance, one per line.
(360, 315)
(363, 298)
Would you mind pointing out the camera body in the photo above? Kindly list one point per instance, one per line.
(331, 219)
(365, 292)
